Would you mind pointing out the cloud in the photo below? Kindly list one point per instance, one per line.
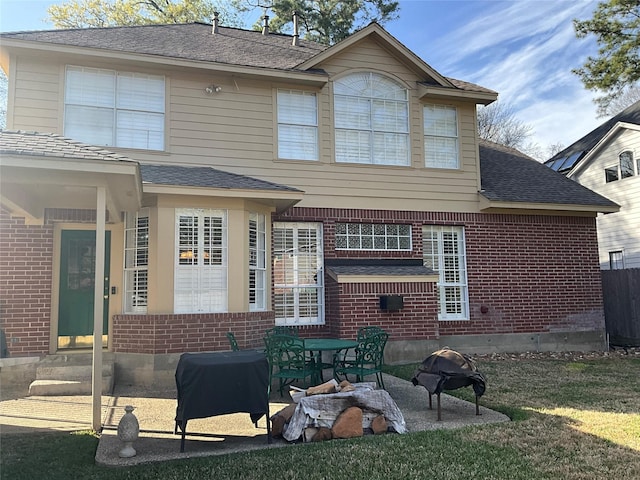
(525, 50)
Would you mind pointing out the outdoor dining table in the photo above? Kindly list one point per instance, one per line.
(318, 345)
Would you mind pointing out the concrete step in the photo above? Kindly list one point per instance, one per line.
(70, 372)
(67, 387)
(63, 374)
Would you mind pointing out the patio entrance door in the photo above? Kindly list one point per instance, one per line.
(76, 289)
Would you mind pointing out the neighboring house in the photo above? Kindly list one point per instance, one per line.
(607, 160)
(259, 179)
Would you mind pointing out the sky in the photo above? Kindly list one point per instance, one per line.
(523, 49)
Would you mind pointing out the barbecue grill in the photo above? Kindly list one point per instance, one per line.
(449, 370)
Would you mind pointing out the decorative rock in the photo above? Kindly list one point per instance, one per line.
(323, 433)
(348, 424)
(128, 430)
(379, 425)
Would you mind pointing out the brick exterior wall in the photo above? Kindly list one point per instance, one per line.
(526, 273)
(160, 334)
(357, 304)
(25, 285)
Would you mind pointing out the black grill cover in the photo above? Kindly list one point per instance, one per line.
(448, 370)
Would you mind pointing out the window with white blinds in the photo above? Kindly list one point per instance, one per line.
(136, 261)
(441, 136)
(257, 262)
(121, 109)
(371, 116)
(444, 252)
(297, 125)
(200, 281)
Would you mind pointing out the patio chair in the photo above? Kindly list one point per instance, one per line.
(282, 330)
(288, 361)
(232, 341)
(364, 332)
(367, 359)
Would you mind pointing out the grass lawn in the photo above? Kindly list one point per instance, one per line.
(576, 418)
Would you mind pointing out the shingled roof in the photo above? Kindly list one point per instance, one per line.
(190, 41)
(195, 41)
(36, 144)
(205, 177)
(511, 176)
(566, 160)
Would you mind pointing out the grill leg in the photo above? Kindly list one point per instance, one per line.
(439, 411)
(430, 405)
(477, 406)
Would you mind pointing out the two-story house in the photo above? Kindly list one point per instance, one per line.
(607, 161)
(240, 179)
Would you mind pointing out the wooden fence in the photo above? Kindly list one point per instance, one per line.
(621, 292)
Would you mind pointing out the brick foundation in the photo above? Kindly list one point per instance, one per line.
(160, 334)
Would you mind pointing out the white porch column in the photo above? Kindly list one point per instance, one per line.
(98, 309)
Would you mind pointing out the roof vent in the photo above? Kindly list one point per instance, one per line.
(265, 25)
(215, 23)
(296, 33)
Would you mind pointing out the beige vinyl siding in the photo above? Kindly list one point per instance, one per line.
(36, 102)
(621, 230)
(235, 130)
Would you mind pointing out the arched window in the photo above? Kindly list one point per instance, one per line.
(626, 164)
(623, 169)
(371, 115)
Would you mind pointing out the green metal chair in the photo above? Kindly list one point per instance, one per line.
(282, 330)
(288, 361)
(367, 359)
(232, 341)
(364, 332)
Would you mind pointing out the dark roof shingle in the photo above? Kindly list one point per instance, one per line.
(195, 41)
(511, 176)
(205, 177)
(581, 147)
(19, 142)
(191, 41)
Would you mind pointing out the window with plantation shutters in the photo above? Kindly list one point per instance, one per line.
(298, 275)
(257, 262)
(441, 136)
(297, 125)
(121, 109)
(371, 118)
(200, 281)
(136, 261)
(444, 252)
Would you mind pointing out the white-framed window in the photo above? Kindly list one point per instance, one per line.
(257, 262)
(371, 117)
(616, 260)
(373, 236)
(136, 261)
(441, 136)
(444, 252)
(298, 273)
(625, 168)
(120, 109)
(200, 281)
(297, 125)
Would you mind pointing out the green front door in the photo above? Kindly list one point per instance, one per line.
(77, 280)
